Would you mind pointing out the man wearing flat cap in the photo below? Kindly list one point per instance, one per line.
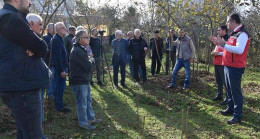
(156, 47)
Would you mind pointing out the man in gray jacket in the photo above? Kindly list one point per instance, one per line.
(185, 53)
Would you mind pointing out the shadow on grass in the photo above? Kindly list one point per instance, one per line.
(156, 99)
(121, 114)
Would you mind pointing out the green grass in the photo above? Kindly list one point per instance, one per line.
(126, 111)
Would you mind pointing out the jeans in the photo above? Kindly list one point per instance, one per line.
(26, 109)
(170, 58)
(59, 84)
(220, 79)
(233, 78)
(118, 62)
(181, 63)
(52, 87)
(84, 103)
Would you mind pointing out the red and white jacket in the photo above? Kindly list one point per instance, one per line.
(233, 59)
(217, 59)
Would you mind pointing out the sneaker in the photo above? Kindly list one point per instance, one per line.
(95, 121)
(170, 86)
(185, 87)
(88, 127)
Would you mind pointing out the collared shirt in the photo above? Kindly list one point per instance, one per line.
(117, 46)
(241, 43)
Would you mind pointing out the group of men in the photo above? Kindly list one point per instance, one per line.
(26, 59)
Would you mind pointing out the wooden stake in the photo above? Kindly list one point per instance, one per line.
(187, 120)
(143, 128)
(182, 123)
(167, 114)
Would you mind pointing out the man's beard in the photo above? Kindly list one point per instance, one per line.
(23, 9)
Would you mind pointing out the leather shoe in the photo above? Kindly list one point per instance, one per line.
(217, 98)
(170, 86)
(123, 85)
(226, 112)
(116, 86)
(233, 120)
(100, 83)
(224, 102)
(64, 110)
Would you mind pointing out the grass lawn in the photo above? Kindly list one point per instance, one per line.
(151, 111)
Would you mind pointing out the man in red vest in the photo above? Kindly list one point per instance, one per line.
(234, 60)
(219, 68)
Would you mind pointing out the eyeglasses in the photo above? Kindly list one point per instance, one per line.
(62, 28)
(85, 37)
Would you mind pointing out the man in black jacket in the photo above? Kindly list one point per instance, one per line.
(22, 72)
(156, 47)
(80, 76)
(137, 47)
(96, 47)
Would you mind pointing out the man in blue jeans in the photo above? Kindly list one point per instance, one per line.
(80, 77)
(234, 61)
(22, 72)
(59, 66)
(185, 52)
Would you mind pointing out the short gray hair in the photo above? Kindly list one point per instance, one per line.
(129, 32)
(33, 18)
(58, 24)
(50, 26)
(79, 28)
(119, 32)
(79, 35)
(137, 30)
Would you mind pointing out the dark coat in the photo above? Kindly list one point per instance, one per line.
(47, 38)
(136, 48)
(80, 66)
(96, 47)
(59, 55)
(68, 43)
(153, 47)
(18, 70)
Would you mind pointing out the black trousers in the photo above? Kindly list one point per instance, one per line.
(156, 63)
(118, 63)
(220, 79)
(140, 62)
(170, 58)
